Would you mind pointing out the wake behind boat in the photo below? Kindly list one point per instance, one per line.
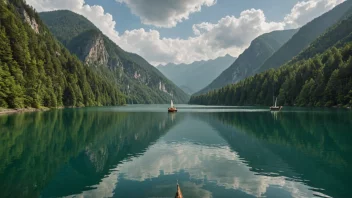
(172, 108)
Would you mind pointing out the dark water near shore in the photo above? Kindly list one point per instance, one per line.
(141, 151)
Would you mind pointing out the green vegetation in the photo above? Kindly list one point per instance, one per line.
(37, 71)
(337, 35)
(251, 59)
(138, 80)
(321, 75)
(306, 35)
(324, 80)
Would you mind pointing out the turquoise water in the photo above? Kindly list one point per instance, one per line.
(142, 151)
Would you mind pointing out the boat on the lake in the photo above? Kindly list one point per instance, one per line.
(178, 192)
(275, 107)
(172, 107)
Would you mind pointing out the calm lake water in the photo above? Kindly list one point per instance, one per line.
(141, 151)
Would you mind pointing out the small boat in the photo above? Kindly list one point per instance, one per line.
(178, 192)
(172, 108)
(275, 108)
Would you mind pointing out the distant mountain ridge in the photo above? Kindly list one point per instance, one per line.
(138, 80)
(321, 75)
(251, 59)
(195, 76)
(306, 35)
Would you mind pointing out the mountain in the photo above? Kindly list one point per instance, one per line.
(322, 79)
(338, 35)
(195, 76)
(306, 35)
(251, 59)
(140, 81)
(38, 71)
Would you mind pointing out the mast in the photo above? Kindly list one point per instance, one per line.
(275, 101)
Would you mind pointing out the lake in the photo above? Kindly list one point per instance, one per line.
(143, 151)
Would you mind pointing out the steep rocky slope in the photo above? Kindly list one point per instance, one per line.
(140, 81)
(251, 59)
(38, 71)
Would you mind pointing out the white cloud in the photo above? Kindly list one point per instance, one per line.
(96, 14)
(162, 13)
(237, 32)
(305, 11)
(199, 161)
(230, 35)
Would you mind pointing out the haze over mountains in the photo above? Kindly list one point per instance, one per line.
(251, 59)
(195, 76)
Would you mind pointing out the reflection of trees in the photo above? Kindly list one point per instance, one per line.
(314, 144)
(33, 147)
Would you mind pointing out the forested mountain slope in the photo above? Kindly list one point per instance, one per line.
(337, 35)
(306, 35)
(140, 81)
(251, 59)
(195, 76)
(323, 80)
(36, 70)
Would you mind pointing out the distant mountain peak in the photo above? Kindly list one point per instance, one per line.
(251, 59)
(139, 80)
(194, 76)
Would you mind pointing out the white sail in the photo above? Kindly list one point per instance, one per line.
(275, 102)
(172, 103)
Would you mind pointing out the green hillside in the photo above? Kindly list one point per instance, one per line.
(37, 71)
(323, 80)
(306, 35)
(140, 81)
(335, 36)
(251, 59)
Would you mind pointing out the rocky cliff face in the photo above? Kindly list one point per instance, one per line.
(34, 25)
(96, 53)
(135, 77)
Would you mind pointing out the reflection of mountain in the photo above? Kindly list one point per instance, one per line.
(205, 167)
(313, 146)
(34, 148)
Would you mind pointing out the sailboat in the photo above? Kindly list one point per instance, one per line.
(275, 107)
(172, 108)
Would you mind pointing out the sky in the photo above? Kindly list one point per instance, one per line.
(184, 31)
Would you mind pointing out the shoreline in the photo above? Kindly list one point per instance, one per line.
(28, 110)
(22, 110)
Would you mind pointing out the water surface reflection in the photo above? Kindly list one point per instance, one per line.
(101, 152)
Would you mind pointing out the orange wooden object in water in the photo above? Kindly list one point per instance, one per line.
(172, 110)
(178, 193)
